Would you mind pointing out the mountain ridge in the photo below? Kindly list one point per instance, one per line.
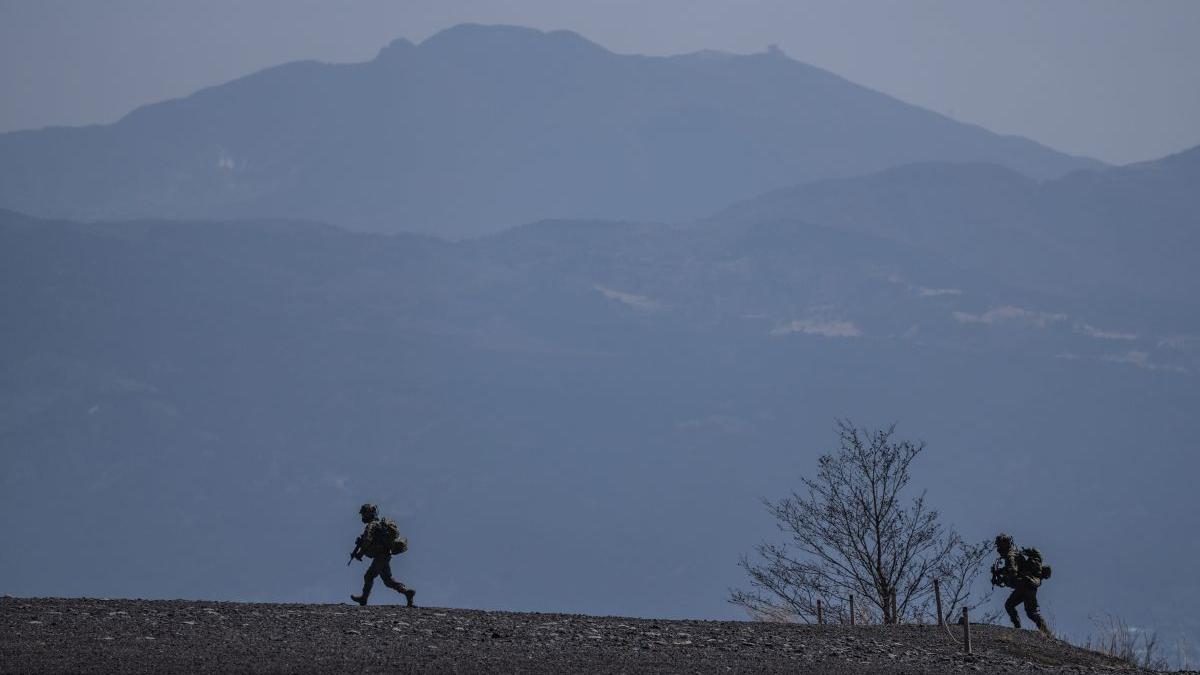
(1119, 231)
(481, 127)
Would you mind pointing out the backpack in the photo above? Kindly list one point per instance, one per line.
(383, 536)
(1029, 564)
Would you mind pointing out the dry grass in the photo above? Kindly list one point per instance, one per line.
(1136, 646)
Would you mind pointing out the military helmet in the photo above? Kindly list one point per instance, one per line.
(368, 511)
(1004, 541)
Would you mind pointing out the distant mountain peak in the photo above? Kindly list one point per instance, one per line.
(474, 37)
(478, 128)
(707, 55)
(396, 48)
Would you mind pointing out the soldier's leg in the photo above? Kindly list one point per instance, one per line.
(1031, 609)
(369, 578)
(1010, 606)
(386, 573)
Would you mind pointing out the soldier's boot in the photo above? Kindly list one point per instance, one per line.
(368, 582)
(1040, 623)
(400, 588)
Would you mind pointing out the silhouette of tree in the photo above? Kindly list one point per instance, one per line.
(853, 533)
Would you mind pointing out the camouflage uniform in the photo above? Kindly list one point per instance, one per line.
(381, 561)
(1024, 584)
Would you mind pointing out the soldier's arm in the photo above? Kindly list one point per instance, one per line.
(359, 541)
(1011, 569)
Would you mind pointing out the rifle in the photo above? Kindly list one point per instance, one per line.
(999, 575)
(356, 554)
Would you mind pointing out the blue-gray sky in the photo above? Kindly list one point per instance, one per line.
(1113, 80)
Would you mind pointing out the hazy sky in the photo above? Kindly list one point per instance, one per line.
(1116, 80)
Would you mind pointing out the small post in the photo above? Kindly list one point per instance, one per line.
(895, 613)
(851, 610)
(820, 614)
(966, 620)
(937, 597)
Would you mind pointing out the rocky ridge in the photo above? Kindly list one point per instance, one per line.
(87, 635)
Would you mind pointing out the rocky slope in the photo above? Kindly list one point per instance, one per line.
(76, 635)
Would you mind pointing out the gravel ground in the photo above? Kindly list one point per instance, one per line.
(76, 635)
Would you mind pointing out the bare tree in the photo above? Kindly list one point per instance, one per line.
(853, 533)
(957, 572)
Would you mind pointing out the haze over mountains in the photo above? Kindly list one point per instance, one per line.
(569, 415)
(1122, 232)
(579, 414)
(484, 127)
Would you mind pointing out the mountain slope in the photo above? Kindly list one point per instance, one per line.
(1125, 232)
(481, 127)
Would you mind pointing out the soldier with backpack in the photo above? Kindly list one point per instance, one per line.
(1023, 571)
(379, 541)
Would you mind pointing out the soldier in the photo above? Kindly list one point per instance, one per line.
(379, 541)
(1021, 570)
